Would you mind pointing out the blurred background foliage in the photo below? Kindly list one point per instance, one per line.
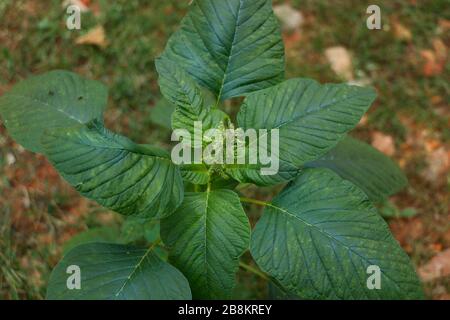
(406, 61)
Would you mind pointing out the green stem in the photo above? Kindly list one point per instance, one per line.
(254, 201)
(156, 243)
(253, 270)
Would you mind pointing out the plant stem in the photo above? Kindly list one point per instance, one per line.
(253, 270)
(254, 201)
(156, 243)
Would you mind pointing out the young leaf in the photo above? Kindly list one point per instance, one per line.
(195, 173)
(377, 175)
(207, 235)
(232, 47)
(223, 182)
(311, 118)
(57, 99)
(117, 272)
(248, 173)
(110, 169)
(178, 88)
(319, 237)
(210, 118)
(182, 91)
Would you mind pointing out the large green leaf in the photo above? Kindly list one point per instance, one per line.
(252, 173)
(319, 236)
(377, 175)
(232, 47)
(117, 272)
(161, 114)
(57, 99)
(110, 169)
(311, 118)
(206, 236)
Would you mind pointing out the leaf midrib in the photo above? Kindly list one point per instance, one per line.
(318, 109)
(137, 266)
(230, 53)
(120, 147)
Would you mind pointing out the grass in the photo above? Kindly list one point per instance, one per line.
(39, 212)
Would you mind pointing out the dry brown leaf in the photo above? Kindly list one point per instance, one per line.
(438, 163)
(432, 144)
(444, 24)
(106, 218)
(291, 19)
(430, 67)
(436, 247)
(434, 60)
(444, 296)
(291, 39)
(440, 49)
(340, 60)
(436, 100)
(364, 120)
(401, 32)
(32, 8)
(94, 37)
(82, 4)
(446, 236)
(383, 142)
(407, 230)
(437, 267)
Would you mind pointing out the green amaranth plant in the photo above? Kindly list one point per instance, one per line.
(316, 239)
